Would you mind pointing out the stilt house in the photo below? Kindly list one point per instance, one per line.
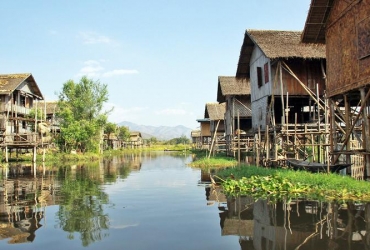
(344, 26)
(205, 132)
(236, 94)
(196, 139)
(19, 93)
(215, 112)
(279, 66)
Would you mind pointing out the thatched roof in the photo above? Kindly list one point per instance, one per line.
(51, 107)
(215, 111)
(314, 30)
(230, 85)
(276, 44)
(11, 82)
(195, 133)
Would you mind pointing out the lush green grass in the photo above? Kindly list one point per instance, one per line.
(278, 183)
(214, 162)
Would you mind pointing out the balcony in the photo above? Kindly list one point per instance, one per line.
(14, 108)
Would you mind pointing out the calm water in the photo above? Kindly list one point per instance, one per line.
(155, 201)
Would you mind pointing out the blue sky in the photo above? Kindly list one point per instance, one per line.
(160, 58)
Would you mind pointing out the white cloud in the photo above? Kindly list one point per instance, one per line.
(119, 113)
(95, 38)
(92, 68)
(120, 72)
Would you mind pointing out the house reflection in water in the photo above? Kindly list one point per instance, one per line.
(296, 225)
(22, 202)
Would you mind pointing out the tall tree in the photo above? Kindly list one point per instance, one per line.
(81, 114)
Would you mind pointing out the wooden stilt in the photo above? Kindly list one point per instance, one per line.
(348, 122)
(366, 127)
(6, 154)
(238, 138)
(34, 154)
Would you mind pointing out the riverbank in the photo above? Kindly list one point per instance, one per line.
(52, 156)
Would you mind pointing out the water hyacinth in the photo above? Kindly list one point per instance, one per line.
(276, 184)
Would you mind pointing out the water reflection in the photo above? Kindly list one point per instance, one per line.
(26, 191)
(300, 224)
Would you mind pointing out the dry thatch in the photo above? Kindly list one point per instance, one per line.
(276, 44)
(215, 111)
(10, 82)
(314, 30)
(285, 44)
(229, 85)
(51, 107)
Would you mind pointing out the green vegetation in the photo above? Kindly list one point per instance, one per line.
(81, 116)
(276, 184)
(214, 162)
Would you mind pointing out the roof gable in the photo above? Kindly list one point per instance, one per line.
(215, 111)
(276, 44)
(10, 82)
(230, 85)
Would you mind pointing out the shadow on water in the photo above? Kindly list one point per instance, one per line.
(300, 224)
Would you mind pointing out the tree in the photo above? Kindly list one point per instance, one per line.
(81, 114)
(109, 129)
(123, 133)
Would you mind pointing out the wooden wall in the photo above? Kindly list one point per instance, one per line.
(308, 72)
(205, 128)
(348, 46)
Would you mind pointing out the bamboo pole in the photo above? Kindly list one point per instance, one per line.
(214, 135)
(238, 137)
(348, 121)
(365, 120)
(282, 91)
(363, 104)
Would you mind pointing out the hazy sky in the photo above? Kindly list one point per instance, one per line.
(160, 58)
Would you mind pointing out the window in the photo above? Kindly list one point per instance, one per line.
(259, 76)
(266, 72)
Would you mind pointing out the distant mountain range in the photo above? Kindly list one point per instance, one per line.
(161, 132)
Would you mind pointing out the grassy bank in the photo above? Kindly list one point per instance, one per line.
(54, 156)
(281, 183)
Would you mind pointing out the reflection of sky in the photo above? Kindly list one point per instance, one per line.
(161, 206)
(167, 208)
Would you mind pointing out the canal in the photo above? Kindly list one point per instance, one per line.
(156, 201)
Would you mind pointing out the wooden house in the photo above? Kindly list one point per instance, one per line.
(344, 26)
(205, 132)
(236, 94)
(136, 140)
(19, 93)
(51, 108)
(278, 66)
(215, 112)
(196, 139)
